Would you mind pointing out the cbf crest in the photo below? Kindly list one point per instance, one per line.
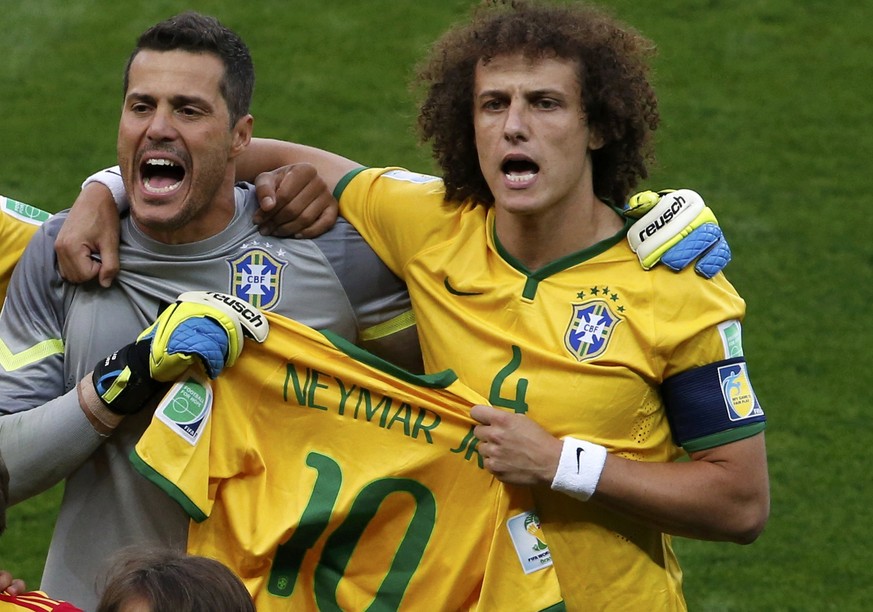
(255, 278)
(590, 329)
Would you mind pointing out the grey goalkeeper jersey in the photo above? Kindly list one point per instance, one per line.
(53, 333)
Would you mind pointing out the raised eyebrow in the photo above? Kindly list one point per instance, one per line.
(180, 100)
(538, 94)
(176, 101)
(492, 93)
(138, 97)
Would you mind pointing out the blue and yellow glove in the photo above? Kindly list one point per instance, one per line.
(202, 327)
(676, 228)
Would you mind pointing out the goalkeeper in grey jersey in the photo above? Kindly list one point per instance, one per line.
(184, 121)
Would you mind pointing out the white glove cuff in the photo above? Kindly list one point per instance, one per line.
(579, 468)
(111, 179)
(664, 223)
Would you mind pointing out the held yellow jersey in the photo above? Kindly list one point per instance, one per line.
(329, 479)
(582, 346)
(18, 222)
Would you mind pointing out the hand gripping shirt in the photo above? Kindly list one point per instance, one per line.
(330, 480)
(582, 346)
(18, 223)
(53, 333)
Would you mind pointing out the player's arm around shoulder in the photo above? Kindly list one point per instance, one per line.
(398, 212)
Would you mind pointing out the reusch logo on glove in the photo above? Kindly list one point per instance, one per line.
(678, 204)
(245, 310)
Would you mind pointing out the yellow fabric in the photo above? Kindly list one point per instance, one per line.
(580, 345)
(18, 222)
(310, 446)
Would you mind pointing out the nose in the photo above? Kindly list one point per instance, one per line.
(161, 125)
(515, 128)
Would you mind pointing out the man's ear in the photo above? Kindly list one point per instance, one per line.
(595, 140)
(242, 135)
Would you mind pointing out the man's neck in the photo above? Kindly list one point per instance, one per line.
(538, 240)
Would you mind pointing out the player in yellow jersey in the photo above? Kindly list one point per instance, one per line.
(18, 222)
(599, 375)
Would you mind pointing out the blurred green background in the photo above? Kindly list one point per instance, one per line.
(765, 111)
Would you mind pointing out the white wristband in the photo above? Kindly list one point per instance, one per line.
(579, 468)
(111, 179)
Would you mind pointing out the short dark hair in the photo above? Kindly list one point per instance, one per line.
(617, 97)
(169, 580)
(197, 33)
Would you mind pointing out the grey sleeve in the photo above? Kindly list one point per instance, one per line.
(42, 440)
(377, 295)
(41, 446)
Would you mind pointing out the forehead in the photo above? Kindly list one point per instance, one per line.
(526, 73)
(169, 73)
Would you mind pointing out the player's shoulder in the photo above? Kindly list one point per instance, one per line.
(392, 188)
(19, 212)
(48, 231)
(684, 300)
(349, 254)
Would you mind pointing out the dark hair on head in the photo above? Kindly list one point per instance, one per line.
(197, 33)
(170, 581)
(617, 97)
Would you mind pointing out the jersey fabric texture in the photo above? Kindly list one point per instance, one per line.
(581, 346)
(329, 479)
(53, 333)
(34, 601)
(18, 223)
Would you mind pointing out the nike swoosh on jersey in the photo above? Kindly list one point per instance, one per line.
(454, 291)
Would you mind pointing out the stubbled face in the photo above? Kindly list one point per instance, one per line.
(532, 135)
(176, 145)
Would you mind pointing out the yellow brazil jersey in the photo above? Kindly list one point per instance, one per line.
(329, 479)
(18, 222)
(581, 346)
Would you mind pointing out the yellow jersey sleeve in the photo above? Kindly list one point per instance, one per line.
(18, 223)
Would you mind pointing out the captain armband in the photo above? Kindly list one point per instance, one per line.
(111, 179)
(712, 405)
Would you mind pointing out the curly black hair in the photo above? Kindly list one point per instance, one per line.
(617, 95)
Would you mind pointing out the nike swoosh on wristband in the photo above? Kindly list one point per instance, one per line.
(454, 291)
(579, 452)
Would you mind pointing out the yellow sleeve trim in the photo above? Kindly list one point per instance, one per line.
(389, 327)
(14, 361)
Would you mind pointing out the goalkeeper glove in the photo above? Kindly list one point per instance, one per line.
(676, 228)
(201, 326)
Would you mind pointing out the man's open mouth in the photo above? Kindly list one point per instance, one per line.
(161, 175)
(519, 170)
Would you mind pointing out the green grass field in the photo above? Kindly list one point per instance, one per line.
(765, 112)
